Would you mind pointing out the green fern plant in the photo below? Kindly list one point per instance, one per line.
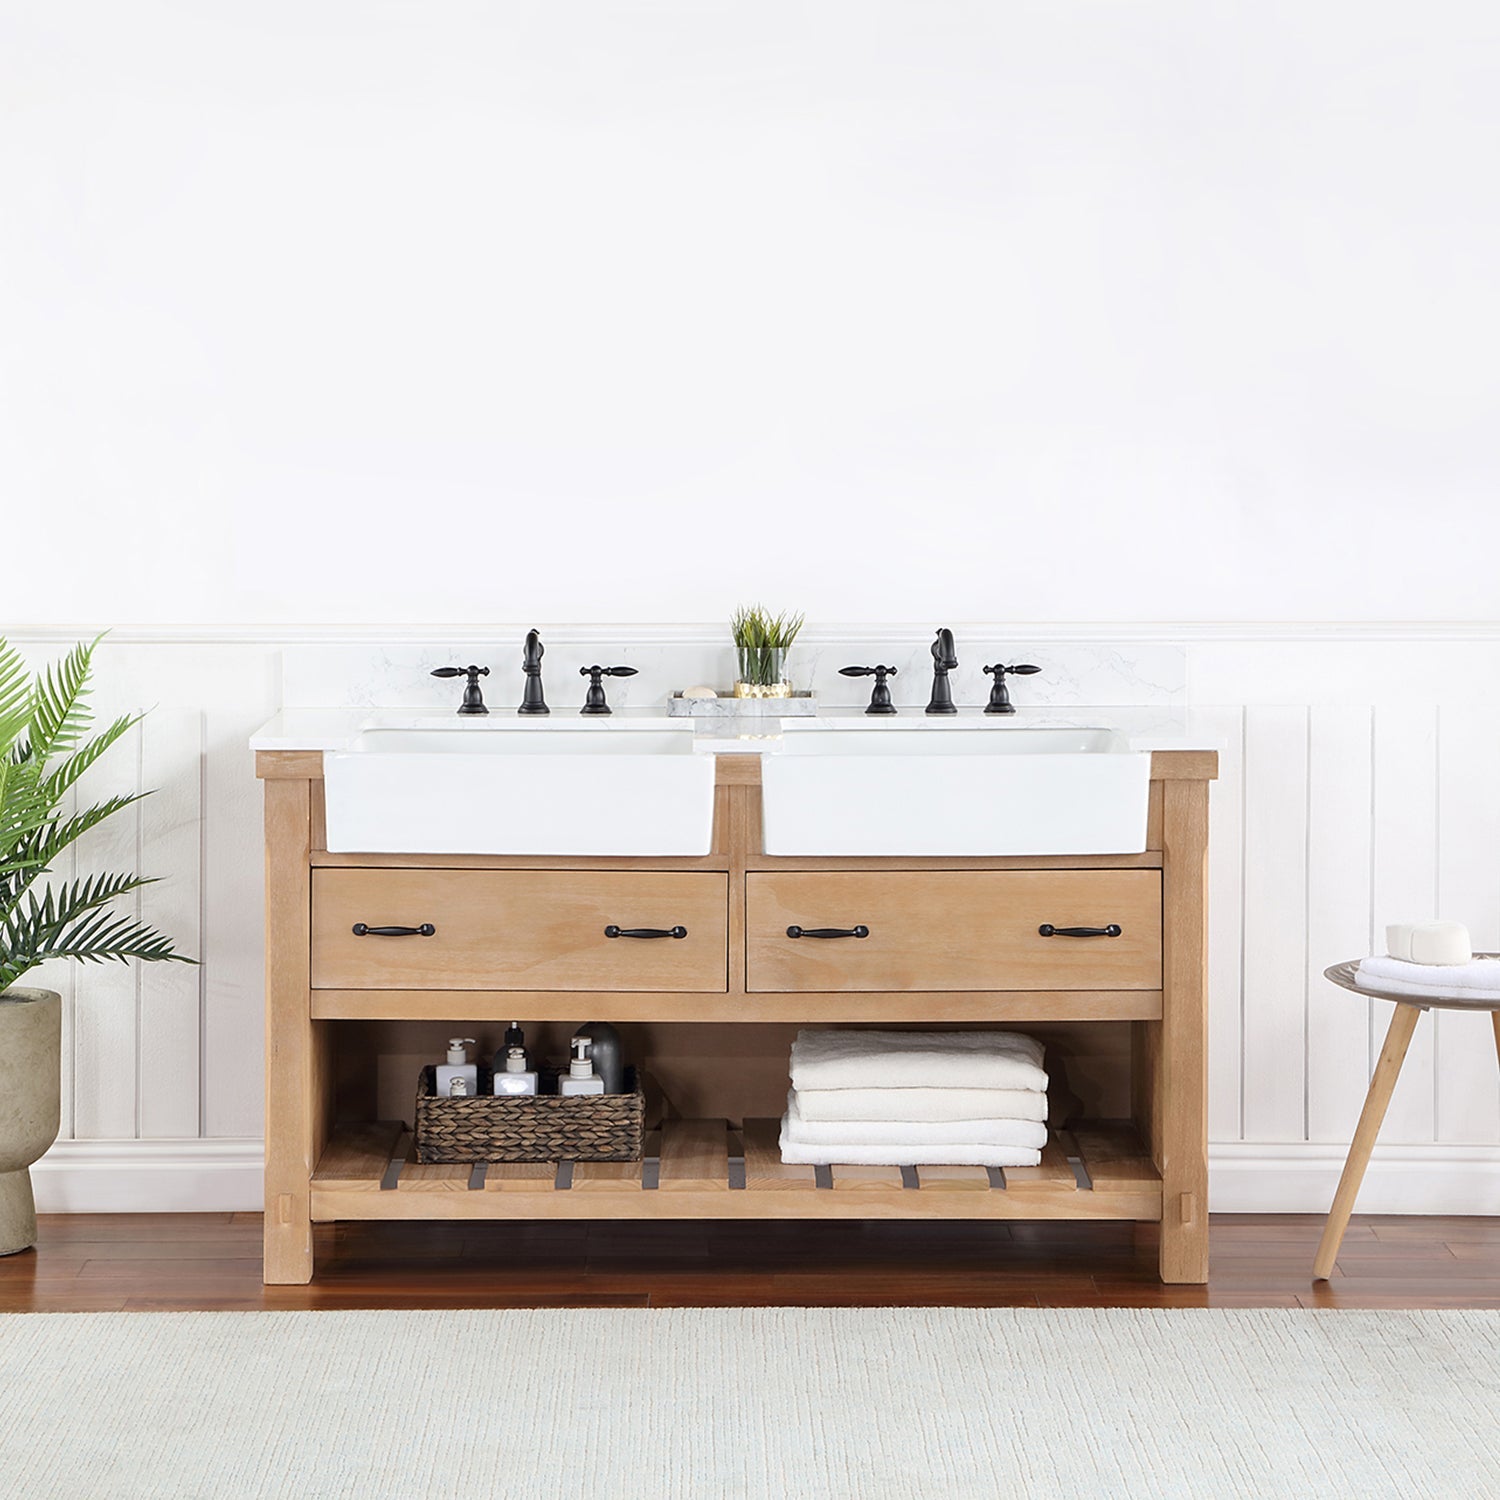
(45, 747)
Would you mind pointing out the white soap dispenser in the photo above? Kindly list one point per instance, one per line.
(580, 1077)
(458, 1076)
(514, 1078)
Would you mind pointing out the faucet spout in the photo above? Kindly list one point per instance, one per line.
(944, 660)
(533, 700)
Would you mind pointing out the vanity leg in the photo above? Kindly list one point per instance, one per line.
(297, 1085)
(1177, 1046)
(1387, 1070)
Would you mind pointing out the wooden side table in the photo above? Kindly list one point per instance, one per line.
(1408, 1009)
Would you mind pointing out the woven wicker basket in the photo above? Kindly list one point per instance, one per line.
(533, 1127)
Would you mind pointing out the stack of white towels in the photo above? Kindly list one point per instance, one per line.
(1431, 958)
(915, 1098)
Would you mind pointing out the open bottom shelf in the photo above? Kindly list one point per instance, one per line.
(710, 1169)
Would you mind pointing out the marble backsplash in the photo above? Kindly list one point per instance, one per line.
(396, 675)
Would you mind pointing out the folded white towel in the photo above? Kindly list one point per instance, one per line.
(823, 1059)
(805, 1132)
(1431, 991)
(1480, 978)
(957, 1155)
(926, 1105)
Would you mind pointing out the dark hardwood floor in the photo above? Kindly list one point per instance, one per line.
(187, 1261)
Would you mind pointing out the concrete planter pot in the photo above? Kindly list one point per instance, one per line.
(30, 1095)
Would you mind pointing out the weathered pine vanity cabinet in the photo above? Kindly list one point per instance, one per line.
(951, 940)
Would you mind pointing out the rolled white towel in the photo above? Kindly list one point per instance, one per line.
(922, 1105)
(826, 1059)
(958, 1155)
(838, 1133)
(1481, 977)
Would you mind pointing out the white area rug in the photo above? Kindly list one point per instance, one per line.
(783, 1403)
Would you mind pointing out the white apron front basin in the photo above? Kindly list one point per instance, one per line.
(958, 792)
(483, 789)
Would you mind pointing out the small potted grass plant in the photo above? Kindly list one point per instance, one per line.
(762, 641)
(45, 747)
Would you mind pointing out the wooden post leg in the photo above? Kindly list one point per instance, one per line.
(1179, 1065)
(1387, 1070)
(296, 1050)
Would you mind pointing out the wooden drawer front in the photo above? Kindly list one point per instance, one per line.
(519, 930)
(954, 930)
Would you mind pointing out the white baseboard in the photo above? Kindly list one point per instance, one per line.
(1300, 1178)
(224, 1176)
(150, 1177)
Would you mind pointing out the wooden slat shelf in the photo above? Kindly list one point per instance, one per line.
(699, 1163)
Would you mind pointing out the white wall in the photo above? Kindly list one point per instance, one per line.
(331, 310)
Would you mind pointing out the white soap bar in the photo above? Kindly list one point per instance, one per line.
(1441, 943)
(1398, 940)
(1429, 942)
(700, 691)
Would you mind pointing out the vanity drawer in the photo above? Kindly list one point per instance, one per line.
(518, 930)
(953, 930)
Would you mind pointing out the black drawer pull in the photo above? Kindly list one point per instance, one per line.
(644, 932)
(1048, 930)
(829, 932)
(362, 929)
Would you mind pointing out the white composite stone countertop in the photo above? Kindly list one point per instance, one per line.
(1145, 728)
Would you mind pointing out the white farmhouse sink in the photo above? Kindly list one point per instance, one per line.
(513, 789)
(960, 791)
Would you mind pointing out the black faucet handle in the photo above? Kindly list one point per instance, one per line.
(880, 694)
(594, 701)
(473, 699)
(1000, 694)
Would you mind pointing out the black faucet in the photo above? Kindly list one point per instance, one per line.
(880, 694)
(594, 701)
(944, 660)
(532, 699)
(999, 693)
(473, 699)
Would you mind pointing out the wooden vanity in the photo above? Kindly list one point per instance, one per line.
(950, 941)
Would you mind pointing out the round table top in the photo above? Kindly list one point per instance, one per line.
(1343, 976)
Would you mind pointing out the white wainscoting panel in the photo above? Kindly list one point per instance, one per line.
(1466, 1077)
(1405, 886)
(1343, 804)
(1275, 915)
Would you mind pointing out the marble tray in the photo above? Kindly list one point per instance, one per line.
(726, 706)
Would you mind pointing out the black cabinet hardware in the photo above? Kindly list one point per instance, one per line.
(644, 932)
(362, 929)
(1048, 930)
(999, 693)
(880, 694)
(828, 932)
(473, 699)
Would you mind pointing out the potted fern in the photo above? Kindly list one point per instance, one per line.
(761, 642)
(45, 747)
